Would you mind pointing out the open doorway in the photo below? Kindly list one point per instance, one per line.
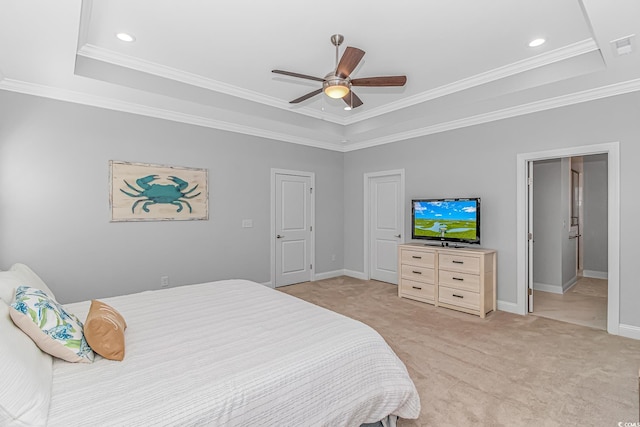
(570, 262)
(524, 240)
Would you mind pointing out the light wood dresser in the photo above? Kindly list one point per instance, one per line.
(462, 279)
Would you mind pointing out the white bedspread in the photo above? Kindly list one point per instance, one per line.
(233, 353)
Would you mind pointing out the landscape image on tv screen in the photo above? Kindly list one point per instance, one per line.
(454, 219)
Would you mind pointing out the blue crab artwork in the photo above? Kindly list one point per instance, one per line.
(152, 194)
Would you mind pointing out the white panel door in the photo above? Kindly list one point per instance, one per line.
(385, 220)
(293, 229)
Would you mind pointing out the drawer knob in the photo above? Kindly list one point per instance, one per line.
(457, 262)
(417, 287)
(417, 272)
(458, 278)
(416, 257)
(458, 296)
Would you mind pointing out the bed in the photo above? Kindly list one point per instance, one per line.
(232, 353)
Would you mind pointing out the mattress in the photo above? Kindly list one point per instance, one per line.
(233, 353)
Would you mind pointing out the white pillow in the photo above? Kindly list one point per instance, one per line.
(26, 375)
(20, 275)
(9, 282)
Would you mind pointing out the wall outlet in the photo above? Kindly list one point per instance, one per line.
(333, 257)
(164, 282)
(247, 223)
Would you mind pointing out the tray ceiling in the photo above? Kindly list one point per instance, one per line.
(209, 63)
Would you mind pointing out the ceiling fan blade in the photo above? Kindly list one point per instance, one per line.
(302, 76)
(307, 96)
(352, 100)
(349, 61)
(380, 81)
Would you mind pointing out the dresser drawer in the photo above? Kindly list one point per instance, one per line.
(425, 259)
(419, 274)
(462, 279)
(467, 264)
(455, 279)
(466, 299)
(422, 291)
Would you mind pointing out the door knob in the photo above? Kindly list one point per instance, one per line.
(279, 236)
(398, 235)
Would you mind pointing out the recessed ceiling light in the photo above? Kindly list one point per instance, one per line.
(347, 108)
(126, 37)
(536, 42)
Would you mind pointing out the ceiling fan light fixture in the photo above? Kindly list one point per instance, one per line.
(335, 88)
(337, 83)
(336, 92)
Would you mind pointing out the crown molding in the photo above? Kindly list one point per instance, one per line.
(564, 53)
(129, 107)
(105, 55)
(91, 51)
(108, 103)
(520, 110)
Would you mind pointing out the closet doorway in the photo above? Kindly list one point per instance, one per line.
(383, 224)
(292, 221)
(525, 237)
(570, 267)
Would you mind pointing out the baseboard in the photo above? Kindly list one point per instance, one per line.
(329, 274)
(355, 274)
(595, 274)
(569, 284)
(629, 331)
(509, 307)
(545, 287)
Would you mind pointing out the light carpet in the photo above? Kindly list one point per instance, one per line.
(505, 370)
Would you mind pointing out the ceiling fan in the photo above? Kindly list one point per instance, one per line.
(338, 83)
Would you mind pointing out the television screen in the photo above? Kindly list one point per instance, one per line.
(455, 220)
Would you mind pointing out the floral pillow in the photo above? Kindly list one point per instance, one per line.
(53, 329)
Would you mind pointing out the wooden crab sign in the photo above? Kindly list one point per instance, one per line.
(151, 194)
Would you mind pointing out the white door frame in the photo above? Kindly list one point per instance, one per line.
(366, 213)
(612, 149)
(530, 229)
(272, 244)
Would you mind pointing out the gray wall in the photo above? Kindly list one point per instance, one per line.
(54, 205)
(595, 231)
(481, 161)
(547, 225)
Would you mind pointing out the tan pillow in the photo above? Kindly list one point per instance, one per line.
(104, 330)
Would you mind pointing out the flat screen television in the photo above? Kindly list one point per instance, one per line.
(446, 220)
